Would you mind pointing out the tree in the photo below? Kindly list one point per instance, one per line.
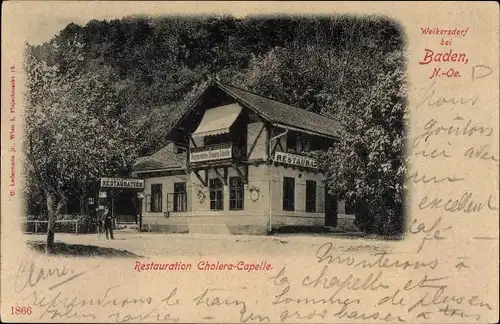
(368, 164)
(73, 134)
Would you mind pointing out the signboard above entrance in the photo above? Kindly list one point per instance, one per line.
(210, 153)
(294, 159)
(122, 183)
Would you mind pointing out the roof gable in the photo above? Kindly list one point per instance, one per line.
(279, 112)
(272, 110)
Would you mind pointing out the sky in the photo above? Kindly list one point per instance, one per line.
(38, 21)
(47, 27)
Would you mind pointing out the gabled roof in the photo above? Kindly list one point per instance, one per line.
(271, 110)
(164, 159)
(279, 112)
(274, 111)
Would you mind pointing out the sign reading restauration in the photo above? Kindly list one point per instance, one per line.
(294, 159)
(122, 183)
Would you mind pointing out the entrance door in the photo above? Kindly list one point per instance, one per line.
(125, 206)
(330, 209)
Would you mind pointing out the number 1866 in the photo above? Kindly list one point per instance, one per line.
(20, 310)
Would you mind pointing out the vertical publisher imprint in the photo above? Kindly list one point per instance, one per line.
(12, 132)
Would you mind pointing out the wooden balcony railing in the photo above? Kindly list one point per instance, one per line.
(216, 152)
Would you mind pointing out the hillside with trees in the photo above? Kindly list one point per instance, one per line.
(121, 85)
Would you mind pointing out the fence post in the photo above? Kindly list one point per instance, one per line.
(36, 226)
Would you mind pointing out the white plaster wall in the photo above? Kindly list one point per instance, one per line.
(259, 151)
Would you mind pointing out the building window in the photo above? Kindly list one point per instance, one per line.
(180, 197)
(310, 196)
(288, 193)
(156, 198)
(216, 194)
(235, 193)
(305, 143)
(291, 142)
(318, 143)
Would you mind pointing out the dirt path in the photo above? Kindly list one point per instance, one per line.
(157, 244)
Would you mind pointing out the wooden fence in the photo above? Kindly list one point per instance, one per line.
(37, 224)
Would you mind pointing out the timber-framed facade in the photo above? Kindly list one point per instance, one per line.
(238, 162)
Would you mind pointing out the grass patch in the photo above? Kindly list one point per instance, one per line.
(77, 250)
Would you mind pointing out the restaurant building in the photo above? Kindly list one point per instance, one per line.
(238, 163)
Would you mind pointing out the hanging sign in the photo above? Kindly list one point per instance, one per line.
(294, 159)
(216, 152)
(122, 183)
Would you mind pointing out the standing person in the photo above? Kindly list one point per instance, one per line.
(99, 222)
(108, 223)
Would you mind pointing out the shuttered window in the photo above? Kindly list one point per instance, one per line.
(216, 194)
(156, 198)
(236, 192)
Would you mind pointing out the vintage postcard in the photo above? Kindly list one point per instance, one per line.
(250, 162)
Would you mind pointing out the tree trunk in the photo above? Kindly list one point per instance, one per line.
(49, 246)
(53, 208)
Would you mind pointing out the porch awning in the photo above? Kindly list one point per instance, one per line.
(218, 120)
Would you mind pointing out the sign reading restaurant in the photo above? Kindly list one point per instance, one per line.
(122, 183)
(295, 159)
